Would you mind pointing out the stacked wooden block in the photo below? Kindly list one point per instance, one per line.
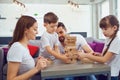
(70, 48)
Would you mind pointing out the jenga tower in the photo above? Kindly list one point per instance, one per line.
(70, 48)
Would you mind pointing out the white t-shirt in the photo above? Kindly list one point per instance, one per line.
(48, 39)
(80, 41)
(18, 53)
(114, 63)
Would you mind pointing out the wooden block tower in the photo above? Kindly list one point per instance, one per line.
(70, 48)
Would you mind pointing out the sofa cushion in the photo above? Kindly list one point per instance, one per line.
(33, 49)
(92, 45)
(5, 50)
(99, 46)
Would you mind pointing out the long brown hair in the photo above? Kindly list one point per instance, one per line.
(105, 22)
(24, 22)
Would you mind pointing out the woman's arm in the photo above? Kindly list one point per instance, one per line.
(13, 68)
(12, 72)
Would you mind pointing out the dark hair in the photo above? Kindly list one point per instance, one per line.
(60, 24)
(109, 20)
(24, 22)
(50, 17)
(105, 22)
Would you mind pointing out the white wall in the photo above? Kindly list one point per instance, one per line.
(75, 20)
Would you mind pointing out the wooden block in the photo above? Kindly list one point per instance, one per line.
(70, 48)
(70, 40)
(73, 61)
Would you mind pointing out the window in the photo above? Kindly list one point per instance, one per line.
(105, 8)
(118, 9)
(104, 12)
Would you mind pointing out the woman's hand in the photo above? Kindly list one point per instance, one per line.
(41, 63)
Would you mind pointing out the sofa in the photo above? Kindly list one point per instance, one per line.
(97, 45)
(34, 47)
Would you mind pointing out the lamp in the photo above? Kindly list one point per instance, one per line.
(19, 3)
(76, 5)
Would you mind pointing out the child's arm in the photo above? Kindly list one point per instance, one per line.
(101, 59)
(56, 49)
(57, 54)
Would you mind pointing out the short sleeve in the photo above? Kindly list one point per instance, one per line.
(15, 53)
(115, 46)
(45, 41)
(57, 40)
(80, 40)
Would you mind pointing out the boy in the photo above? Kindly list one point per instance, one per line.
(49, 39)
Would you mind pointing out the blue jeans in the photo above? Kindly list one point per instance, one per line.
(91, 77)
(104, 77)
(115, 78)
(69, 78)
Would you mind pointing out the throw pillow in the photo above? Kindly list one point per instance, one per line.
(5, 49)
(92, 45)
(33, 49)
(99, 46)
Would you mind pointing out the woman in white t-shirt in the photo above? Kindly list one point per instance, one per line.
(111, 52)
(21, 65)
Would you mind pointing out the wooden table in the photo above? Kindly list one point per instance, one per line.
(76, 69)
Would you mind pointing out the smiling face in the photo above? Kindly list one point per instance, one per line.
(32, 31)
(61, 33)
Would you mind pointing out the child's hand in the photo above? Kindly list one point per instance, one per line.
(81, 55)
(96, 54)
(41, 63)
